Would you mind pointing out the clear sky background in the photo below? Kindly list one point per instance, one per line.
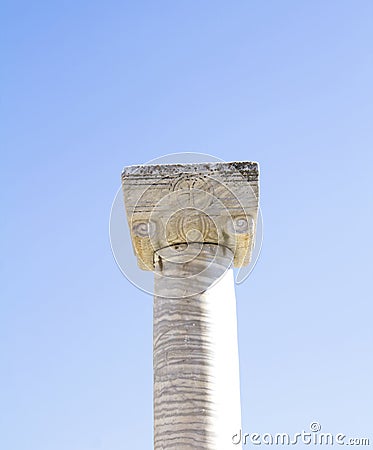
(89, 87)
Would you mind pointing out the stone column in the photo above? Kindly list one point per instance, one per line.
(190, 224)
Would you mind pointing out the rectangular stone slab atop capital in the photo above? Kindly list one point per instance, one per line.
(215, 202)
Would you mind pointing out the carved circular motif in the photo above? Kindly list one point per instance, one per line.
(190, 225)
(193, 191)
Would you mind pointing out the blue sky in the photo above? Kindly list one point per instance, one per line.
(89, 87)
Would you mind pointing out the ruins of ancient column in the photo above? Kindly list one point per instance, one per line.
(190, 224)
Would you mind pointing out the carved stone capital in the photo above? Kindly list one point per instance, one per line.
(172, 204)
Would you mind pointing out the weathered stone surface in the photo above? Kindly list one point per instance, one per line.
(185, 203)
